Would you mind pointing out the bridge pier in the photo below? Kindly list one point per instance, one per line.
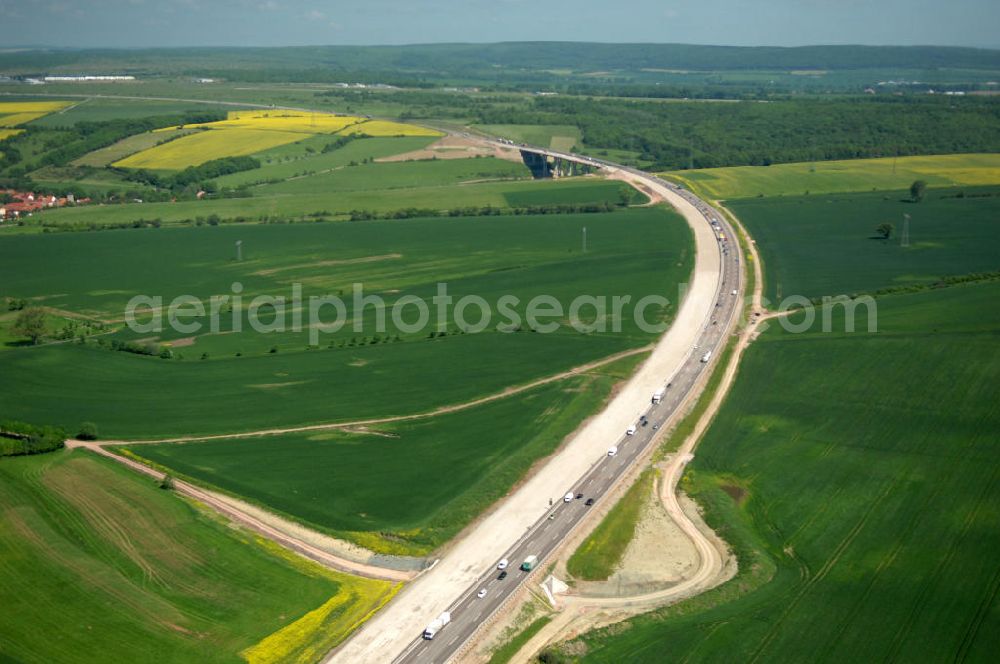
(538, 164)
(544, 166)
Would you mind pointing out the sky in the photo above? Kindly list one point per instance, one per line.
(144, 23)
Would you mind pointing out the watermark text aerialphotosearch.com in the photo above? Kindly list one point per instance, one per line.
(410, 314)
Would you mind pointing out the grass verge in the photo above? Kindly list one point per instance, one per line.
(601, 552)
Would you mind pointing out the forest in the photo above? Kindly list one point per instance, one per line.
(668, 136)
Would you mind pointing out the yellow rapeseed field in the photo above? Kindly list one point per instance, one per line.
(249, 132)
(203, 146)
(307, 639)
(15, 119)
(32, 106)
(382, 128)
(14, 113)
(7, 133)
(279, 120)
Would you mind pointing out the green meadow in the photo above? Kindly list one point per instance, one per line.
(99, 564)
(828, 245)
(306, 157)
(223, 381)
(283, 206)
(402, 175)
(824, 177)
(405, 487)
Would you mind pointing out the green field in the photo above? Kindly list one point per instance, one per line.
(823, 177)
(506, 652)
(401, 175)
(96, 109)
(406, 487)
(99, 565)
(865, 464)
(243, 386)
(286, 206)
(556, 137)
(306, 158)
(826, 245)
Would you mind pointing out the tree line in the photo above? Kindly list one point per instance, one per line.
(19, 438)
(706, 135)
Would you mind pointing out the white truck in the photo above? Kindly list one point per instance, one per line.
(529, 563)
(706, 357)
(658, 395)
(436, 625)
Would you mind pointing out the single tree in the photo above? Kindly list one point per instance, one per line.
(885, 230)
(30, 323)
(167, 483)
(625, 193)
(917, 190)
(88, 431)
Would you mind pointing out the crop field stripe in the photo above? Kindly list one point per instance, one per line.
(198, 261)
(140, 571)
(360, 484)
(203, 146)
(990, 590)
(887, 561)
(856, 175)
(505, 393)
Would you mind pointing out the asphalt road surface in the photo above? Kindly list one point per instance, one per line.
(470, 611)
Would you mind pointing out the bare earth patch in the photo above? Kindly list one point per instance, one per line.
(455, 147)
(660, 555)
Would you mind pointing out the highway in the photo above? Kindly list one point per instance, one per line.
(469, 611)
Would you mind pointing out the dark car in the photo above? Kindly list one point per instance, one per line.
(503, 575)
(590, 501)
(579, 496)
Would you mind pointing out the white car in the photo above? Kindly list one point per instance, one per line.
(630, 431)
(568, 498)
(612, 451)
(502, 564)
(481, 594)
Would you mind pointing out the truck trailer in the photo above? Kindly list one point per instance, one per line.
(436, 625)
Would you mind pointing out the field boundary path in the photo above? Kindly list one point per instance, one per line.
(441, 410)
(324, 550)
